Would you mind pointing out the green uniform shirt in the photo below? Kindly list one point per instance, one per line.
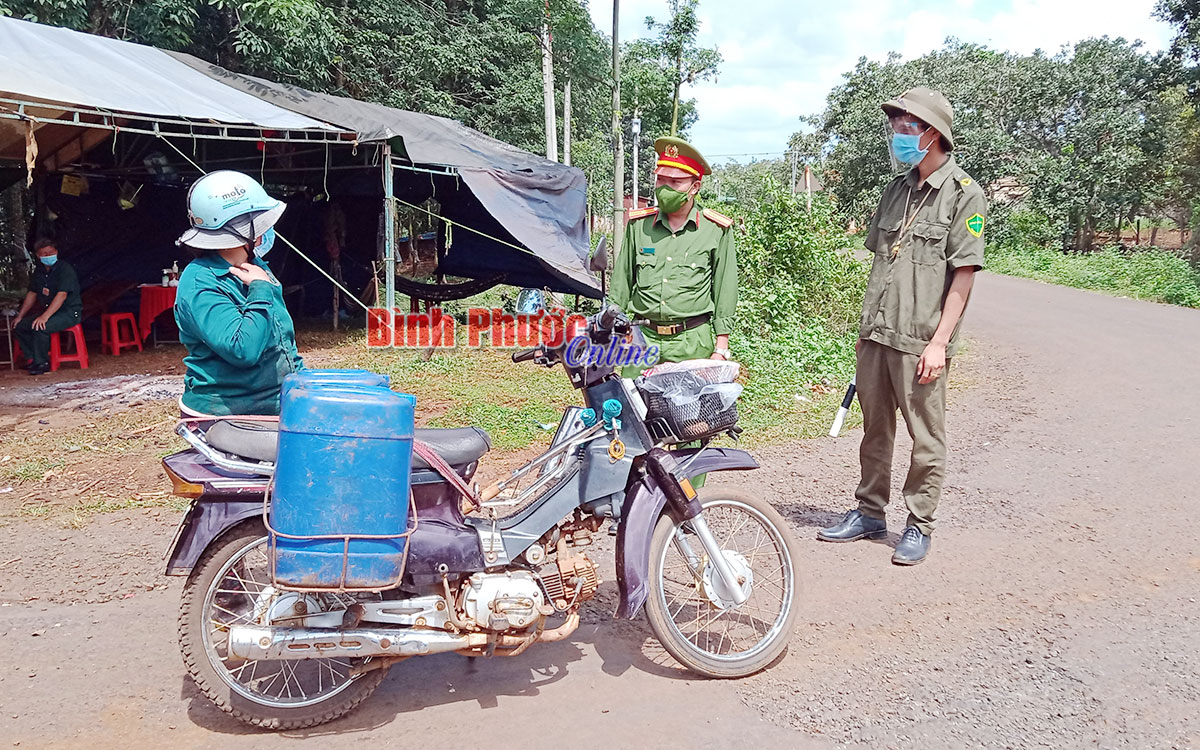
(913, 267)
(240, 340)
(46, 283)
(667, 277)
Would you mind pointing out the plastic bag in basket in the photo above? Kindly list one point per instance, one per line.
(708, 370)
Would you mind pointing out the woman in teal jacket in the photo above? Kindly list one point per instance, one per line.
(240, 339)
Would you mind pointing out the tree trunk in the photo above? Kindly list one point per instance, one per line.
(548, 91)
(1153, 235)
(675, 104)
(618, 207)
(567, 121)
(227, 55)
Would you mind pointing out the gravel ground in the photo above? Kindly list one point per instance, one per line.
(1058, 608)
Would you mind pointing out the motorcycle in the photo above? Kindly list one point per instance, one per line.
(493, 573)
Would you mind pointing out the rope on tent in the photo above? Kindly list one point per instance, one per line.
(286, 241)
(451, 222)
(325, 175)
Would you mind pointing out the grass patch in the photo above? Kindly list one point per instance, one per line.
(1155, 275)
(31, 469)
(97, 506)
(481, 388)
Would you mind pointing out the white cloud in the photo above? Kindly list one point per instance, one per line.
(783, 57)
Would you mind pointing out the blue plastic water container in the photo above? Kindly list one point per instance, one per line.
(314, 378)
(345, 452)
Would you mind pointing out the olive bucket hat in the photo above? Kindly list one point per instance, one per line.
(928, 105)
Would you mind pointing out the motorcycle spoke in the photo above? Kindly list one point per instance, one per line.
(235, 615)
(733, 630)
(244, 584)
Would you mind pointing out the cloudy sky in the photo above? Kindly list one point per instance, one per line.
(783, 56)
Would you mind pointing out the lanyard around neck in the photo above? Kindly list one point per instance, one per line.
(908, 221)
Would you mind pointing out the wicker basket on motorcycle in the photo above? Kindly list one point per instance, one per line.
(690, 400)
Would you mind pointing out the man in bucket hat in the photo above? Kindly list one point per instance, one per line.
(927, 240)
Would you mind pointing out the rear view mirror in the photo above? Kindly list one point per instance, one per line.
(530, 301)
(599, 261)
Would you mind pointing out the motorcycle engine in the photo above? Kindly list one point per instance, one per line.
(499, 601)
(573, 579)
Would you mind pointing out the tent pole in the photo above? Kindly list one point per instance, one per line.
(389, 231)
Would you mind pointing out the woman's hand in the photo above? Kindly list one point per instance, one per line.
(248, 272)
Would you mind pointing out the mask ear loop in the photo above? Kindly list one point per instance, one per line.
(922, 136)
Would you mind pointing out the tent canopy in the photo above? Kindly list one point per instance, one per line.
(64, 92)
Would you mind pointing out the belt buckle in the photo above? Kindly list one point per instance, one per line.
(665, 330)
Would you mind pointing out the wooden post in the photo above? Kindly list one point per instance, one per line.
(389, 231)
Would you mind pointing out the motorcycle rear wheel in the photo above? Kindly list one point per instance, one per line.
(718, 638)
(201, 623)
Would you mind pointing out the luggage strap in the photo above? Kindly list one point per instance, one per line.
(438, 464)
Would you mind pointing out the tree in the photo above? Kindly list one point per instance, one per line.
(1081, 131)
(676, 43)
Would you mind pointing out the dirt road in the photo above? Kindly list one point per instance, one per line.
(1059, 607)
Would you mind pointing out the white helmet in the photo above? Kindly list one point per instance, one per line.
(228, 209)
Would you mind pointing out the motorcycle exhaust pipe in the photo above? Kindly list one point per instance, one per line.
(253, 642)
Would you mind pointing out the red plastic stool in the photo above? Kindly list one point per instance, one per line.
(111, 340)
(57, 358)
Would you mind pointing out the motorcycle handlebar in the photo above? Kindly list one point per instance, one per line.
(524, 355)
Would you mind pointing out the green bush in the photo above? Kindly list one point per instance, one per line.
(800, 292)
(1155, 275)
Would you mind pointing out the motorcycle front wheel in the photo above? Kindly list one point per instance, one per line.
(231, 585)
(692, 614)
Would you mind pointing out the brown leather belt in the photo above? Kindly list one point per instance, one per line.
(674, 328)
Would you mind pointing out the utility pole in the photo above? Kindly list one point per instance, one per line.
(618, 140)
(636, 127)
(548, 89)
(567, 118)
(793, 171)
(808, 186)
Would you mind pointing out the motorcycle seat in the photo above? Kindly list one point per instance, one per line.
(259, 441)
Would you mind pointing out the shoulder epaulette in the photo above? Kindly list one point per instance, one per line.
(719, 219)
(642, 213)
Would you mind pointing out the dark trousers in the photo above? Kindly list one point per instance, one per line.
(36, 344)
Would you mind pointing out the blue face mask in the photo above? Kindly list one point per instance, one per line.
(49, 260)
(907, 148)
(268, 241)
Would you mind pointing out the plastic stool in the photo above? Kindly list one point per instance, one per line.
(57, 358)
(111, 341)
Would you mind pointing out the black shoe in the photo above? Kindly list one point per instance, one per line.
(913, 547)
(853, 527)
(39, 369)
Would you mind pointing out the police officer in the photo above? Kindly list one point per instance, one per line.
(927, 240)
(677, 266)
(54, 288)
